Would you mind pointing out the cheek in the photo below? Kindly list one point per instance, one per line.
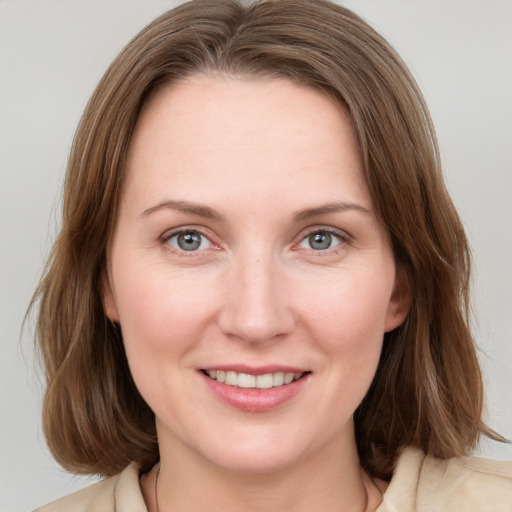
(161, 314)
(350, 312)
(347, 324)
(163, 319)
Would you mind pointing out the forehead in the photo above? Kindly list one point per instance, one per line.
(212, 130)
(209, 100)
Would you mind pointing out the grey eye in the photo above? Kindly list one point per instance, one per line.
(320, 241)
(189, 241)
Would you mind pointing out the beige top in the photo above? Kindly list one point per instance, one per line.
(420, 484)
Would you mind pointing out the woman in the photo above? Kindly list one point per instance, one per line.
(260, 288)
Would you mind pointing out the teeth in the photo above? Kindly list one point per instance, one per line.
(288, 377)
(231, 378)
(265, 381)
(278, 379)
(245, 380)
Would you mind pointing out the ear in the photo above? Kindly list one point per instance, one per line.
(109, 302)
(399, 302)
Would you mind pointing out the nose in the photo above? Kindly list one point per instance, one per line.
(257, 305)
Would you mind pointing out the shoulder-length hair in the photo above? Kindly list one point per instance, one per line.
(427, 390)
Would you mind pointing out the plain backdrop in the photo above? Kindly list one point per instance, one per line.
(53, 52)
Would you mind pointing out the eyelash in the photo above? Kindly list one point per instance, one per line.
(169, 235)
(342, 236)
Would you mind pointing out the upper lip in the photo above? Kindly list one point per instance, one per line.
(255, 370)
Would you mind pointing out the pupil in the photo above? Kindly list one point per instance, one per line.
(189, 241)
(320, 241)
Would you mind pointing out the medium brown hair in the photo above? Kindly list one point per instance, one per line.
(427, 390)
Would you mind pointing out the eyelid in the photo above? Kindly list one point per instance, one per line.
(339, 233)
(171, 233)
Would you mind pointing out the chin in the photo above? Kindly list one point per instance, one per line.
(256, 463)
(255, 458)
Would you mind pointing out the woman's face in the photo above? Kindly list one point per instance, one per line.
(247, 253)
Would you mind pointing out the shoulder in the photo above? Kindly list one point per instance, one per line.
(119, 493)
(468, 483)
(423, 483)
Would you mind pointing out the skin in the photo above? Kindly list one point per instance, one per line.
(256, 292)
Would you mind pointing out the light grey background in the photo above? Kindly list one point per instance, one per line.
(53, 52)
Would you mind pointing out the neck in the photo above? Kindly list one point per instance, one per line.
(331, 480)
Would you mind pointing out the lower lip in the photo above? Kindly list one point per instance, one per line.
(255, 400)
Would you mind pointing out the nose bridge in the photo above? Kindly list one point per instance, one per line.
(256, 308)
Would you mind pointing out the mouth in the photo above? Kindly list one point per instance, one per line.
(249, 381)
(255, 390)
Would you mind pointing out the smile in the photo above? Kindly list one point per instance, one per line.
(246, 380)
(255, 390)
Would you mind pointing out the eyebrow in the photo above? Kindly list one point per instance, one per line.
(186, 207)
(339, 206)
(209, 213)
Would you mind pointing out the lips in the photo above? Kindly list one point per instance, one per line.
(255, 390)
